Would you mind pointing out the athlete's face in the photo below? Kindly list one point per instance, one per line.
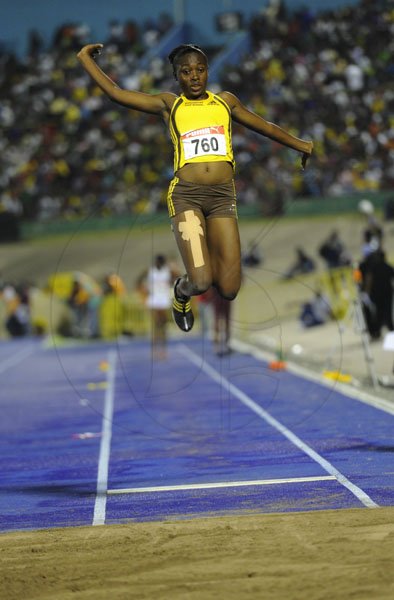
(192, 74)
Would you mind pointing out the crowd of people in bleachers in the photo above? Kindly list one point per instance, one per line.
(326, 77)
(66, 151)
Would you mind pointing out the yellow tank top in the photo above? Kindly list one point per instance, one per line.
(201, 131)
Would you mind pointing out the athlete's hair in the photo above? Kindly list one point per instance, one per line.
(177, 53)
(160, 260)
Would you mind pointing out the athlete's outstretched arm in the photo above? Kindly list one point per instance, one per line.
(252, 121)
(150, 103)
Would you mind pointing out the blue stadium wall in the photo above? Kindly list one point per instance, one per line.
(18, 17)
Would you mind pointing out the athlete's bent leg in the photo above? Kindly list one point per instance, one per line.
(190, 234)
(225, 254)
(189, 229)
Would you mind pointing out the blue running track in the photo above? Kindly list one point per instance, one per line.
(100, 433)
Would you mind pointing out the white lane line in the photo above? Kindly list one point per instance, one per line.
(346, 390)
(16, 358)
(294, 439)
(100, 504)
(219, 484)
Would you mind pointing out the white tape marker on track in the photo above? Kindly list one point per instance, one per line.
(100, 504)
(218, 484)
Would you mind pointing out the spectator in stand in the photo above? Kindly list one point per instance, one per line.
(114, 284)
(16, 300)
(333, 252)
(389, 209)
(78, 302)
(377, 286)
(252, 256)
(84, 301)
(303, 264)
(316, 312)
(373, 232)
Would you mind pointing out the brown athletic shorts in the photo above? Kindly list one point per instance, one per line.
(212, 200)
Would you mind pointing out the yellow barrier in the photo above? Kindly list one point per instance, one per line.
(123, 314)
(340, 288)
(136, 318)
(61, 284)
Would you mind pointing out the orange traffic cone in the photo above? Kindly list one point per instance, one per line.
(279, 364)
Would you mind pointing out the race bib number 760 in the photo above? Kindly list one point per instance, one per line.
(202, 142)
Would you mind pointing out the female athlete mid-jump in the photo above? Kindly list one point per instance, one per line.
(201, 197)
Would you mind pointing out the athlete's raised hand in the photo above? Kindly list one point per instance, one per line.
(306, 156)
(92, 50)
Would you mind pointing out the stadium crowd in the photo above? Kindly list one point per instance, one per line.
(326, 77)
(66, 151)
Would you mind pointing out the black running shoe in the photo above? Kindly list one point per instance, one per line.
(182, 311)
